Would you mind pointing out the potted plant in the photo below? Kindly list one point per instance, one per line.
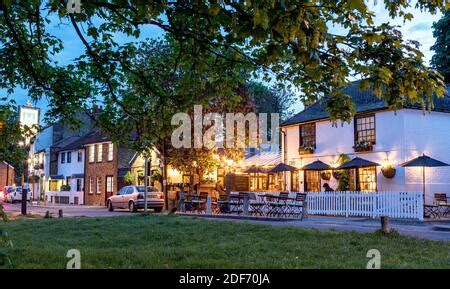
(65, 188)
(304, 150)
(128, 178)
(388, 171)
(363, 146)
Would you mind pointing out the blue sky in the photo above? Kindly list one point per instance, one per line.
(418, 29)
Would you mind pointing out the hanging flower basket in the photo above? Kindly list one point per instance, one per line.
(326, 175)
(363, 146)
(337, 174)
(388, 172)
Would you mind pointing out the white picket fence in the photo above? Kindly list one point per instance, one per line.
(408, 205)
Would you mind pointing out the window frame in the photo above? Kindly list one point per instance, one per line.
(80, 156)
(302, 138)
(109, 177)
(69, 157)
(62, 157)
(356, 130)
(110, 152)
(91, 185)
(91, 152)
(98, 183)
(99, 153)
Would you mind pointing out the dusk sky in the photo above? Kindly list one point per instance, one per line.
(418, 29)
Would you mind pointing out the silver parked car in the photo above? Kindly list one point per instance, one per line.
(15, 195)
(132, 198)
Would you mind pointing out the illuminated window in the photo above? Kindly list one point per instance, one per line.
(367, 179)
(110, 152)
(312, 181)
(99, 152)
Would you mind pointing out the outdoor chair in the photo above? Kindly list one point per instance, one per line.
(200, 202)
(256, 207)
(443, 202)
(187, 201)
(223, 204)
(299, 206)
(279, 206)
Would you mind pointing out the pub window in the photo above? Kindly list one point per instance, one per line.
(308, 135)
(63, 158)
(312, 181)
(294, 181)
(80, 156)
(367, 179)
(69, 157)
(365, 129)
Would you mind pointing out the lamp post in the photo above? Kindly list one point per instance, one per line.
(23, 209)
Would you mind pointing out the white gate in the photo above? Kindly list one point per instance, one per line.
(368, 204)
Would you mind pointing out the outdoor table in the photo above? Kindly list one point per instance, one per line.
(431, 210)
(236, 203)
(280, 206)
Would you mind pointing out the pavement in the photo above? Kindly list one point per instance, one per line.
(68, 210)
(429, 229)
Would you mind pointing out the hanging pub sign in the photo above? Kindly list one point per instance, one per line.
(29, 120)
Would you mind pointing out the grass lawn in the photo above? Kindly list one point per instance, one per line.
(180, 242)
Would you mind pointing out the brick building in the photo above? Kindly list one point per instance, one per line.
(6, 175)
(105, 166)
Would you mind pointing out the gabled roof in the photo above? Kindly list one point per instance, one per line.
(364, 101)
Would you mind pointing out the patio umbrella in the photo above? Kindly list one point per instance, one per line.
(357, 163)
(282, 167)
(316, 166)
(424, 161)
(255, 170)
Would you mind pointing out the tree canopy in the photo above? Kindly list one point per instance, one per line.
(287, 41)
(441, 57)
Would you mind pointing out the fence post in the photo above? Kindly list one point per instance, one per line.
(347, 203)
(246, 205)
(420, 204)
(208, 205)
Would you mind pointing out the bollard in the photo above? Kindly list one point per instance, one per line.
(385, 227)
(246, 205)
(208, 205)
(60, 213)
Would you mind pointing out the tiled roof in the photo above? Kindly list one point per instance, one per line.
(364, 101)
(90, 138)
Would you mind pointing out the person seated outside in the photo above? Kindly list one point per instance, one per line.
(327, 188)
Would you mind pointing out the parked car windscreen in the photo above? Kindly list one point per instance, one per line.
(140, 189)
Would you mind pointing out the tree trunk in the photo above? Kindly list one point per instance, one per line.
(164, 173)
